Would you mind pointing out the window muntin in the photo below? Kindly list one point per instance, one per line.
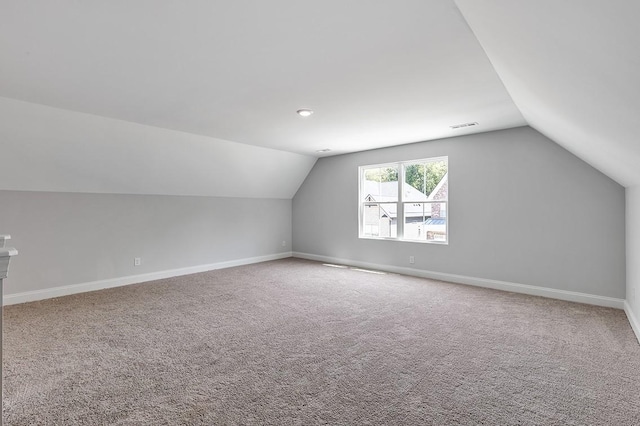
(405, 201)
(422, 177)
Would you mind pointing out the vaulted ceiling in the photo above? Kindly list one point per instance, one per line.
(375, 73)
(572, 67)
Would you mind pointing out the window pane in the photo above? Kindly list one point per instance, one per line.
(421, 194)
(425, 221)
(380, 184)
(425, 180)
(380, 220)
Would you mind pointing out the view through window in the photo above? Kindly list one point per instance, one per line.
(406, 200)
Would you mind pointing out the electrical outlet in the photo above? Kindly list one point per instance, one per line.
(412, 260)
(284, 243)
(137, 261)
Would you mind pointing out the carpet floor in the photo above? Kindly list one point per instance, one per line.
(293, 342)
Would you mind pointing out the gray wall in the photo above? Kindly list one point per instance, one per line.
(521, 209)
(633, 252)
(73, 238)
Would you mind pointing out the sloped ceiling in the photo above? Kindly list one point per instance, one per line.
(573, 69)
(216, 85)
(50, 149)
(376, 73)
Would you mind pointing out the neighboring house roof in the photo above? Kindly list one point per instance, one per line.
(388, 192)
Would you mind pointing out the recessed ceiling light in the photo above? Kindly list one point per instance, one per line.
(304, 112)
(323, 150)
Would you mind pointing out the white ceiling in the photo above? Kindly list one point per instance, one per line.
(573, 69)
(376, 73)
(55, 150)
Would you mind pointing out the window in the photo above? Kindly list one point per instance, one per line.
(405, 201)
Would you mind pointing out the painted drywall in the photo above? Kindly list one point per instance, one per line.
(566, 65)
(49, 149)
(70, 238)
(238, 70)
(521, 210)
(633, 254)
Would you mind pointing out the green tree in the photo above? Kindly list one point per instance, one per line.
(383, 174)
(422, 176)
(425, 176)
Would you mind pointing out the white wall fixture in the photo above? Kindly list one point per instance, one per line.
(5, 256)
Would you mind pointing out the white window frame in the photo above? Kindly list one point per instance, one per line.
(400, 202)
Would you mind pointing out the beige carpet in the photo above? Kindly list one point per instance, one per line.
(296, 342)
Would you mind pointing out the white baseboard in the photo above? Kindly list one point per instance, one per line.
(571, 296)
(31, 296)
(635, 325)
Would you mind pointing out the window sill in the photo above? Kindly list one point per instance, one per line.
(440, 243)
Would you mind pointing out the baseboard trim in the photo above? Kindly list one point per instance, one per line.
(32, 296)
(635, 324)
(571, 296)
